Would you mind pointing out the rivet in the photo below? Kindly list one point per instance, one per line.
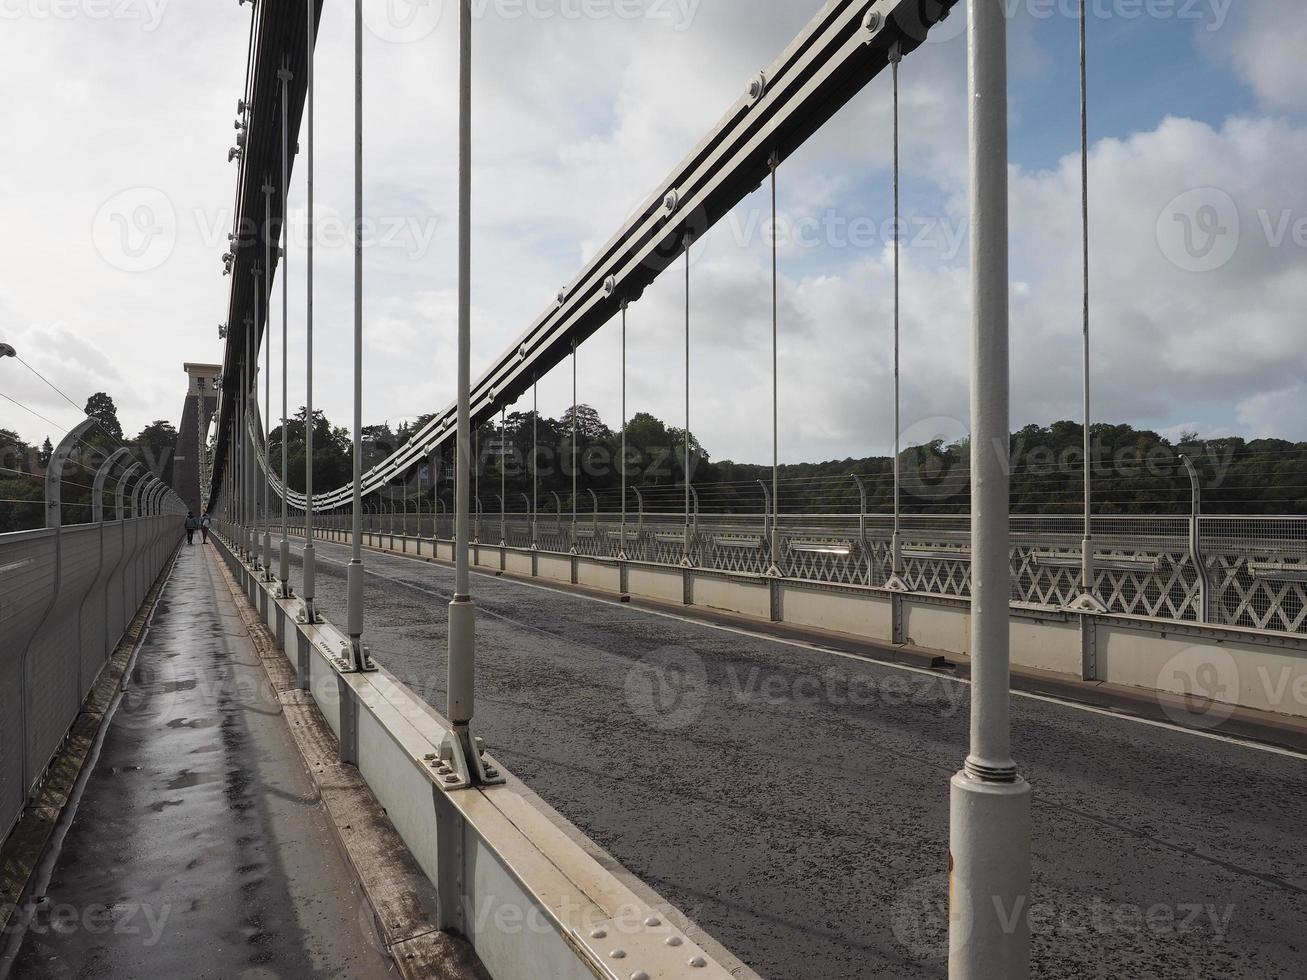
(618, 954)
(653, 920)
(599, 934)
(674, 940)
(698, 962)
(639, 975)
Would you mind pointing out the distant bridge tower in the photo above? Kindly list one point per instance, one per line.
(191, 469)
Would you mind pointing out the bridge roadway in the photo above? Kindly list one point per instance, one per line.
(794, 801)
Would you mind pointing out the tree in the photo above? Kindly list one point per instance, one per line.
(17, 455)
(101, 408)
(332, 453)
(157, 444)
(46, 453)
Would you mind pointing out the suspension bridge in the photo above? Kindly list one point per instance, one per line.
(422, 724)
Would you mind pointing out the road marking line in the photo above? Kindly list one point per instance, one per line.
(817, 648)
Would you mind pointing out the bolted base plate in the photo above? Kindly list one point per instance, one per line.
(461, 763)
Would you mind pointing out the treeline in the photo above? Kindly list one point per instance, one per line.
(1133, 471)
(23, 466)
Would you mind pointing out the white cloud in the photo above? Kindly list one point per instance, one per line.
(1269, 38)
(560, 165)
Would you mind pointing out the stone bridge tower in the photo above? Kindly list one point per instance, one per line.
(191, 463)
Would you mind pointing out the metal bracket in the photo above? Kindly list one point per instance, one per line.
(896, 584)
(1088, 603)
(458, 766)
(356, 658)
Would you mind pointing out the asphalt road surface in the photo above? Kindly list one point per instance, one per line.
(795, 802)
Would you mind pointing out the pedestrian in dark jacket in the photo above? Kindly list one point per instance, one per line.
(205, 521)
(191, 525)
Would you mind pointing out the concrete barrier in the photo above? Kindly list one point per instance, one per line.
(1256, 669)
(532, 900)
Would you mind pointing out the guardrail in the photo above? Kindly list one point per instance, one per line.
(67, 595)
(1264, 670)
(1248, 572)
(532, 900)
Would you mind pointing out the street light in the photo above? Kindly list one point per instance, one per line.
(7, 351)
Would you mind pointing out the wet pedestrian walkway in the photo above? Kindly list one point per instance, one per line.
(200, 847)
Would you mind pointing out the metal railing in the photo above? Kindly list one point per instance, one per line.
(68, 592)
(1253, 569)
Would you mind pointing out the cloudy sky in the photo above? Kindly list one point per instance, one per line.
(1199, 213)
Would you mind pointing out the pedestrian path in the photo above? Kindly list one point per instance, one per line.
(200, 848)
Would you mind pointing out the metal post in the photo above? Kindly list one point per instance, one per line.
(862, 523)
(1196, 558)
(267, 377)
(766, 511)
(535, 463)
(685, 560)
(1087, 546)
(503, 472)
(354, 574)
(896, 539)
(248, 382)
(460, 750)
(775, 569)
(574, 437)
(621, 548)
(97, 492)
(310, 613)
(283, 551)
(989, 838)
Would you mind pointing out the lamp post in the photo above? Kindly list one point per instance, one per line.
(989, 836)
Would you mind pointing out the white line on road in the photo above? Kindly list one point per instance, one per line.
(817, 648)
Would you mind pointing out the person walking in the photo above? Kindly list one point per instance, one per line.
(191, 525)
(205, 521)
